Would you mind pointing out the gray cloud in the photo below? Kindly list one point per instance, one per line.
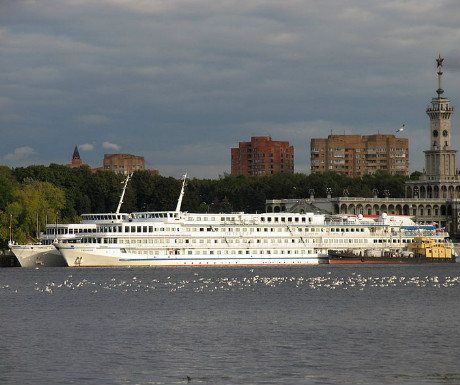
(158, 77)
(86, 147)
(19, 154)
(94, 120)
(111, 146)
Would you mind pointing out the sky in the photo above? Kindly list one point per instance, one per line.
(181, 82)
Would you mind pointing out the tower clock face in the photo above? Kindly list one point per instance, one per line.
(445, 133)
(435, 133)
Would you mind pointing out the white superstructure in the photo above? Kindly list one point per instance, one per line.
(176, 238)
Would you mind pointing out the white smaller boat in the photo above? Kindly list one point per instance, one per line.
(44, 253)
(37, 254)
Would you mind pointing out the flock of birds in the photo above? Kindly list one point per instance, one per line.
(197, 284)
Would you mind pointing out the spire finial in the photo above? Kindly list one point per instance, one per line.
(439, 61)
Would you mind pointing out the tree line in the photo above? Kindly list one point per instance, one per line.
(31, 197)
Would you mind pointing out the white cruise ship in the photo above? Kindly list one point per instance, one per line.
(176, 238)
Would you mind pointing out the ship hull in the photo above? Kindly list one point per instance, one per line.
(110, 257)
(38, 256)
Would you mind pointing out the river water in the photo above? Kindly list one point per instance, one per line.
(393, 324)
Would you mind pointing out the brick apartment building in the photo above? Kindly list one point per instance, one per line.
(356, 155)
(262, 156)
(123, 163)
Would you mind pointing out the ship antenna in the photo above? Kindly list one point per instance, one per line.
(179, 201)
(128, 177)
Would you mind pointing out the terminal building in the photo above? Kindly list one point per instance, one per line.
(433, 199)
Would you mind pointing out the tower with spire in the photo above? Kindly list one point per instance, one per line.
(440, 178)
(440, 158)
(76, 160)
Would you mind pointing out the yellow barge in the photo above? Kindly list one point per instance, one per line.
(422, 250)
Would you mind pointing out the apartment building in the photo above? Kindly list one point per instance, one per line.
(262, 156)
(357, 155)
(123, 163)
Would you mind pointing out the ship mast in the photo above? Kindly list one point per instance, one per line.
(181, 196)
(11, 229)
(128, 177)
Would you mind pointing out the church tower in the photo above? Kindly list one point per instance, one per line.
(440, 163)
(76, 160)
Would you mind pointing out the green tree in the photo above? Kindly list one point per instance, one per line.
(7, 185)
(35, 204)
(415, 175)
